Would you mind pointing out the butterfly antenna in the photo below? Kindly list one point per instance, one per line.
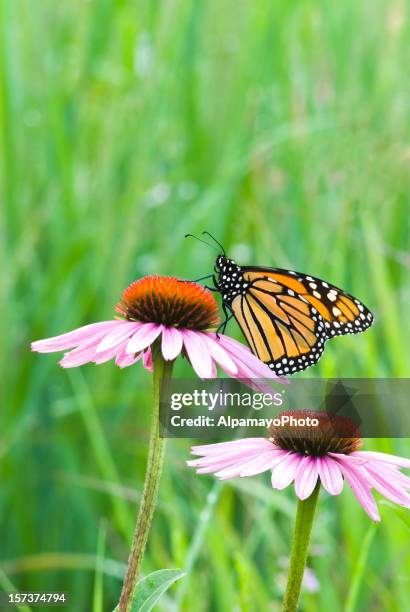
(200, 240)
(215, 240)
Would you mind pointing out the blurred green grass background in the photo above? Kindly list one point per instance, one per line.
(284, 128)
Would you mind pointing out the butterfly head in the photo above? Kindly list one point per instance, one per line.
(230, 281)
(220, 263)
(230, 278)
(223, 265)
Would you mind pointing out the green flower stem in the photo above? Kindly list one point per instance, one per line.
(301, 537)
(162, 375)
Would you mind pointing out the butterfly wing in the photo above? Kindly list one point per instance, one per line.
(287, 317)
(284, 331)
(341, 311)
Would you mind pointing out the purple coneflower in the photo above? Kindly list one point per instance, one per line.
(161, 318)
(305, 460)
(181, 315)
(326, 454)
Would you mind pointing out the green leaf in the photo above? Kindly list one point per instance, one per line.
(149, 589)
(359, 569)
(400, 512)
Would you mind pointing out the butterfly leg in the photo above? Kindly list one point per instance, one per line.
(204, 278)
(215, 287)
(211, 288)
(222, 326)
(197, 280)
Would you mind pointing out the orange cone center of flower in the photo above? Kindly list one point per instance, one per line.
(333, 434)
(169, 301)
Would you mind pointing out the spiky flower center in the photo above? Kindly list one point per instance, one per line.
(333, 433)
(171, 302)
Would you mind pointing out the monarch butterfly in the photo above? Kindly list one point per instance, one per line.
(285, 316)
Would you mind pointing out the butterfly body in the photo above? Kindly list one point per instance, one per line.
(287, 316)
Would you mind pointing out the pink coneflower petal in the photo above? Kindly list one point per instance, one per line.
(227, 457)
(221, 460)
(388, 488)
(211, 469)
(104, 356)
(147, 360)
(330, 475)
(248, 377)
(219, 354)
(390, 472)
(143, 337)
(258, 369)
(385, 457)
(198, 354)
(121, 332)
(219, 447)
(250, 465)
(250, 370)
(233, 347)
(216, 465)
(214, 371)
(233, 466)
(171, 343)
(74, 338)
(263, 462)
(123, 359)
(306, 477)
(360, 488)
(74, 360)
(246, 371)
(284, 473)
(223, 466)
(250, 364)
(83, 354)
(233, 471)
(352, 458)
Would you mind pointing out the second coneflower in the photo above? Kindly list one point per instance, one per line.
(160, 318)
(309, 455)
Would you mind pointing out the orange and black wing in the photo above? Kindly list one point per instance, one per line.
(341, 312)
(284, 331)
(287, 317)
